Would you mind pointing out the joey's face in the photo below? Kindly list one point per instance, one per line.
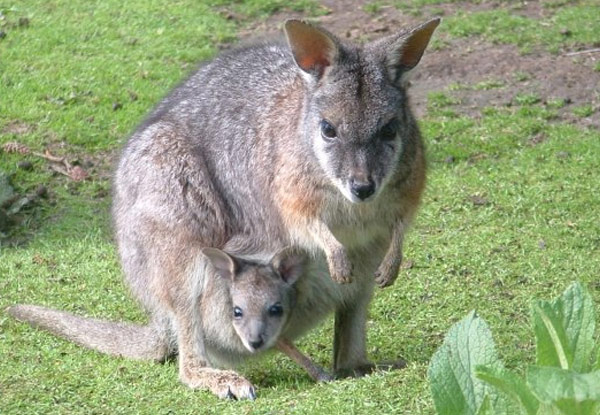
(355, 126)
(260, 307)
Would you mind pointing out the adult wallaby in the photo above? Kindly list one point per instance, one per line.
(245, 308)
(309, 143)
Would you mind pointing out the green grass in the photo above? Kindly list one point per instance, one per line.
(504, 220)
(372, 7)
(564, 28)
(263, 8)
(565, 25)
(583, 111)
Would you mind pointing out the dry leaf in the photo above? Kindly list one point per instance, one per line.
(78, 174)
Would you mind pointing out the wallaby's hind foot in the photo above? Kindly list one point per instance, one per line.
(226, 384)
(368, 368)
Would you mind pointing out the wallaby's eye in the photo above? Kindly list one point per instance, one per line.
(276, 310)
(237, 313)
(388, 132)
(327, 130)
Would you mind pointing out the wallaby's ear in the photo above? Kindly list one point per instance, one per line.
(407, 50)
(289, 263)
(314, 49)
(223, 263)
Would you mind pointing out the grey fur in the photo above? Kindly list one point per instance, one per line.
(236, 158)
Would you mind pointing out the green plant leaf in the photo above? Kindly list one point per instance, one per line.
(576, 308)
(571, 392)
(511, 385)
(486, 407)
(564, 330)
(455, 388)
(552, 346)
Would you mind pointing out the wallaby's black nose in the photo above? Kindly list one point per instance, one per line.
(362, 190)
(256, 345)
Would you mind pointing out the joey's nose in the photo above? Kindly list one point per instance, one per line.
(257, 344)
(361, 189)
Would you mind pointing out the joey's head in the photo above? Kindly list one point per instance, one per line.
(357, 120)
(262, 295)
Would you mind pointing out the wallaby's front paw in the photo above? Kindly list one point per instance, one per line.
(340, 267)
(387, 273)
(226, 384)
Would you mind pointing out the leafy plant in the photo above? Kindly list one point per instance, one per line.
(467, 377)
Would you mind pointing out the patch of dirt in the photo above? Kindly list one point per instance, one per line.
(481, 75)
(18, 127)
(476, 74)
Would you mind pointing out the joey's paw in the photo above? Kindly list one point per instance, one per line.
(340, 267)
(236, 387)
(387, 273)
(226, 384)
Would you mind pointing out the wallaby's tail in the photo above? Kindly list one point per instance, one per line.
(117, 339)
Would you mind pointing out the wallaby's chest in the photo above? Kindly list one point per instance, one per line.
(357, 226)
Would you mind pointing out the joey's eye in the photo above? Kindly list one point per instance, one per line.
(388, 132)
(237, 313)
(327, 130)
(276, 310)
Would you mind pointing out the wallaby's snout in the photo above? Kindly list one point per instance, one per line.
(361, 188)
(257, 344)
(258, 332)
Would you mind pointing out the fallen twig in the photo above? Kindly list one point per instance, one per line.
(58, 164)
(581, 52)
(48, 156)
(59, 169)
(75, 173)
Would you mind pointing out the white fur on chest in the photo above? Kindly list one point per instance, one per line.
(355, 226)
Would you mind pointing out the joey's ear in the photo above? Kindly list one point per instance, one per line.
(223, 263)
(406, 51)
(290, 264)
(314, 49)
